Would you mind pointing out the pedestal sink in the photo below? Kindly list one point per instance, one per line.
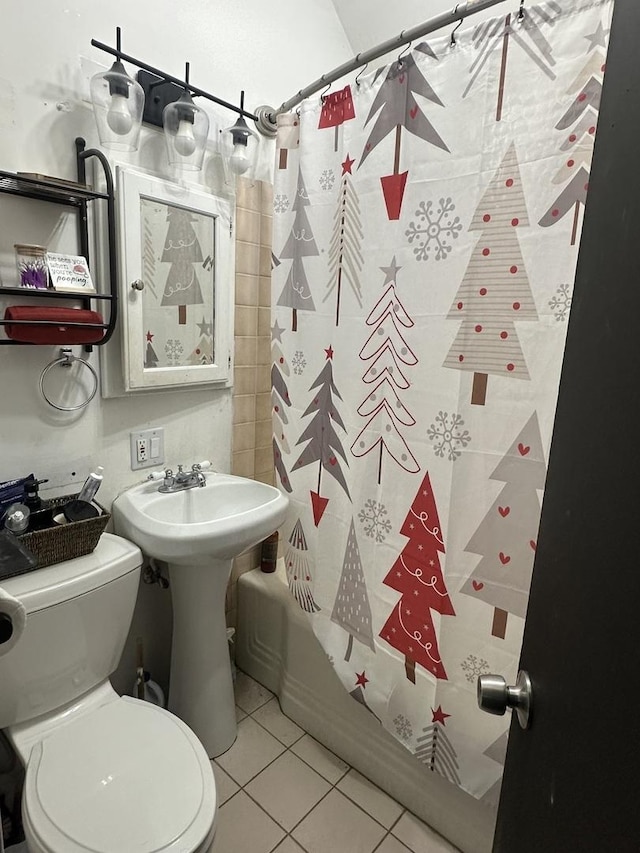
(198, 532)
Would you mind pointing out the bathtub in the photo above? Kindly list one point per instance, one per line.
(276, 646)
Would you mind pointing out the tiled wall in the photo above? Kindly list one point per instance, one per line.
(252, 453)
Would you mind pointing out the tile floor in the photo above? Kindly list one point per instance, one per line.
(280, 790)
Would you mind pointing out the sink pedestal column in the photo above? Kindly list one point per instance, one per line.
(201, 686)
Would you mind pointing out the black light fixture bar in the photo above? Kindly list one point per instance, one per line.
(170, 79)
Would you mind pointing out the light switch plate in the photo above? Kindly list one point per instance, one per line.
(147, 448)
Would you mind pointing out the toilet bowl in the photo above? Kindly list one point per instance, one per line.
(103, 773)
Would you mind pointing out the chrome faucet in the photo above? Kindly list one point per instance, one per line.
(181, 480)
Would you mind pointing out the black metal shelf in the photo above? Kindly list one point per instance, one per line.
(76, 195)
(47, 190)
(50, 294)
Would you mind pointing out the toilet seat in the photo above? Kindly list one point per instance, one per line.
(127, 776)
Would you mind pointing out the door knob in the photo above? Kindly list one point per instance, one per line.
(138, 284)
(495, 696)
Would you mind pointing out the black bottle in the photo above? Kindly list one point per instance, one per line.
(31, 497)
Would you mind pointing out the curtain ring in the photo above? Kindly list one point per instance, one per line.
(360, 73)
(323, 95)
(521, 12)
(66, 359)
(403, 52)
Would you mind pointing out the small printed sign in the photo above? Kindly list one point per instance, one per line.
(69, 273)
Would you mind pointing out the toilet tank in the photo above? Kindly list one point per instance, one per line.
(78, 617)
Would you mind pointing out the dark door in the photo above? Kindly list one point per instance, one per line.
(572, 782)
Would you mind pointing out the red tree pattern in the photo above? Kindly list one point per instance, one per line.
(417, 576)
(337, 107)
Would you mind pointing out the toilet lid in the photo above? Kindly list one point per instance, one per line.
(128, 776)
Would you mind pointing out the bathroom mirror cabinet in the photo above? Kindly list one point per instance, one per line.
(176, 284)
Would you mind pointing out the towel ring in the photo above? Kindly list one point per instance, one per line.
(66, 359)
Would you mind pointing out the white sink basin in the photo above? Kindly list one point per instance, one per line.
(198, 532)
(222, 519)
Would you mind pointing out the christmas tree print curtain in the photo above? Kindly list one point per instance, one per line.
(426, 232)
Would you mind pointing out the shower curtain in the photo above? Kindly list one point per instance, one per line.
(426, 228)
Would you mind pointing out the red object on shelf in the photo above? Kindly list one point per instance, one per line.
(59, 332)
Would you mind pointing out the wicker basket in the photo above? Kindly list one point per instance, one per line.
(65, 541)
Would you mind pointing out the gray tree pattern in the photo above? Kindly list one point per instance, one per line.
(301, 244)
(507, 535)
(351, 609)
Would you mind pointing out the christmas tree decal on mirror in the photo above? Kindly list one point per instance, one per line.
(397, 107)
(150, 357)
(506, 537)
(323, 440)
(351, 609)
(495, 290)
(203, 351)
(181, 250)
(417, 576)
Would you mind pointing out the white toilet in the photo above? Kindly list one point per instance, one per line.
(104, 773)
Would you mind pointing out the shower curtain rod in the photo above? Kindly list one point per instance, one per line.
(266, 121)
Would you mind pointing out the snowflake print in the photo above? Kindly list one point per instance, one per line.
(403, 726)
(561, 303)
(299, 362)
(435, 229)
(173, 350)
(448, 436)
(280, 203)
(372, 517)
(474, 667)
(327, 179)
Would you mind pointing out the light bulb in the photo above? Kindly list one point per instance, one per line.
(239, 161)
(185, 141)
(118, 117)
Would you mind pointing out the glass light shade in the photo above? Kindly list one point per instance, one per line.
(240, 145)
(118, 102)
(186, 128)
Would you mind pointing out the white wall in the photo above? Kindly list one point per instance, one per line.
(269, 49)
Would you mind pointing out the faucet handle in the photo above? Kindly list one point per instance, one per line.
(160, 475)
(201, 466)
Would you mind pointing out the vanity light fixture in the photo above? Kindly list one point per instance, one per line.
(118, 102)
(239, 143)
(165, 101)
(186, 127)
